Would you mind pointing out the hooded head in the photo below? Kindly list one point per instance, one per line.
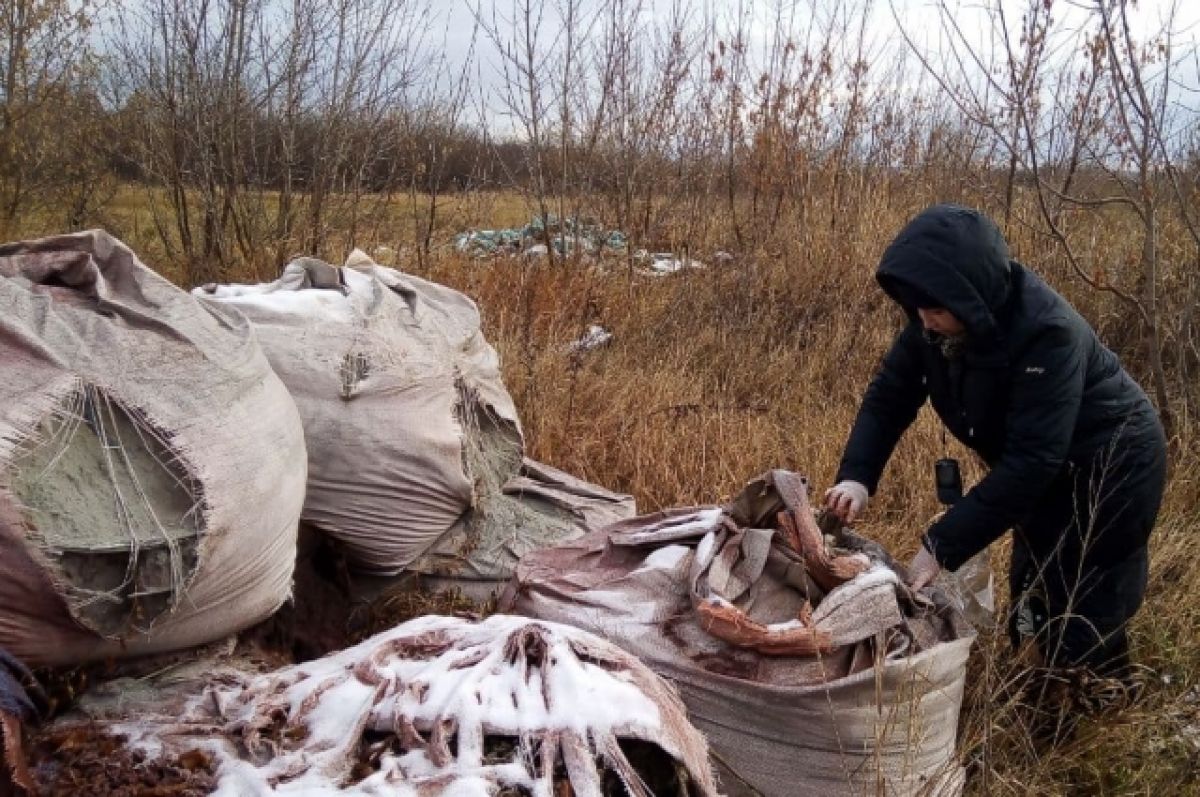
(951, 257)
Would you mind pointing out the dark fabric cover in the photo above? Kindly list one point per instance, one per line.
(1080, 592)
(1035, 393)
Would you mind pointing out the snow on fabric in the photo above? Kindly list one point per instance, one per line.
(152, 466)
(722, 600)
(415, 449)
(437, 705)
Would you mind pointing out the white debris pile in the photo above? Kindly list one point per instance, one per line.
(573, 235)
(660, 264)
(439, 706)
(595, 338)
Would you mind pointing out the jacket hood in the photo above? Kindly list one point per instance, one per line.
(952, 257)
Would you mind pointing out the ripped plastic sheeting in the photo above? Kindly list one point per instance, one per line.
(661, 264)
(972, 589)
(151, 465)
(437, 705)
(596, 337)
(571, 235)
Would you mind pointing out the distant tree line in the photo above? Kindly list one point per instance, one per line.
(265, 128)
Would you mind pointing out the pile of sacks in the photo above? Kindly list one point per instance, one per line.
(159, 449)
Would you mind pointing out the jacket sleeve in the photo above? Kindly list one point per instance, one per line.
(889, 406)
(1044, 401)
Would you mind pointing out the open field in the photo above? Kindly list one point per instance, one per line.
(220, 140)
(715, 375)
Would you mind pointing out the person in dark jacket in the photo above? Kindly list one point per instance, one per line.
(1075, 450)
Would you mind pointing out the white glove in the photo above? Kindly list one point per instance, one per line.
(922, 570)
(847, 500)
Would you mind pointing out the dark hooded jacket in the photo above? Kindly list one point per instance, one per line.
(1034, 392)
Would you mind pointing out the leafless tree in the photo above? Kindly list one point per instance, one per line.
(264, 120)
(47, 105)
(1084, 110)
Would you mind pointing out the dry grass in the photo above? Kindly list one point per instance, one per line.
(717, 375)
(714, 376)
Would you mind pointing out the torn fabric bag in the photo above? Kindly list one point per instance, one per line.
(152, 466)
(537, 507)
(414, 443)
(811, 670)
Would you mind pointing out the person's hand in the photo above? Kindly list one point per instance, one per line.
(846, 499)
(922, 570)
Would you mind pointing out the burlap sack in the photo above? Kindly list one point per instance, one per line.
(874, 710)
(152, 467)
(414, 444)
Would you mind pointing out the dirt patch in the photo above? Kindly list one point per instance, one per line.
(320, 617)
(86, 759)
(407, 602)
(332, 608)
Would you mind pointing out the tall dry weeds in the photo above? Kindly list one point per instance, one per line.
(801, 152)
(716, 375)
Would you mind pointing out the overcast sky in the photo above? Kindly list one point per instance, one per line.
(917, 16)
(919, 20)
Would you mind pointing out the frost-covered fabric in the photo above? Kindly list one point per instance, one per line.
(152, 466)
(437, 705)
(873, 709)
(412, 437)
